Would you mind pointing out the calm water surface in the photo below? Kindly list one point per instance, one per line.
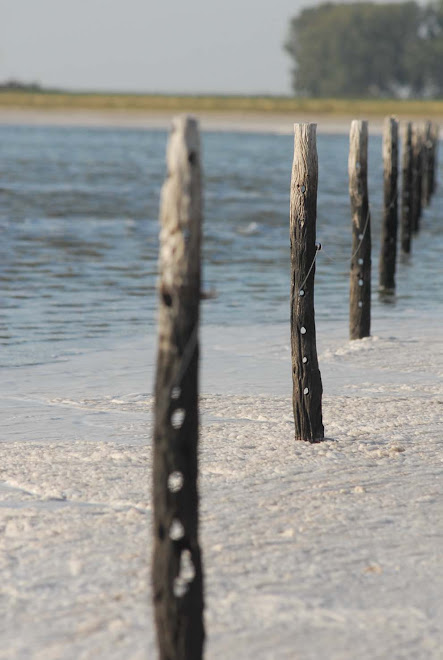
(79, 226)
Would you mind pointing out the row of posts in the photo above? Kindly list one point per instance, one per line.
(418, 174)
(419, 167)
(177, 574)
(418, 182)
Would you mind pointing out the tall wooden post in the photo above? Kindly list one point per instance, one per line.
(306, 378)
(427, 165)
(176, 570)
(434, 169)
(360, 276)
(388, 254)
(417, 144)
(406, 198)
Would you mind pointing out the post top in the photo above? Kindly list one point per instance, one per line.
(183, 119)
(305, 123)
(361, 123)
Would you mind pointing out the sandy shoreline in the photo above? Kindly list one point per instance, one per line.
(309, 551)
(226, 122)
(331, 550)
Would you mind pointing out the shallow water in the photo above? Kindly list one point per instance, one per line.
(78, 214)
(79, 222)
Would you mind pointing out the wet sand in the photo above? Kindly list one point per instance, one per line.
(227, 122)
(310, 551)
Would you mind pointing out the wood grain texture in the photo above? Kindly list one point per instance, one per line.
(427, 166)
(388, 253)
(360, 275)
(417, 160)
(406, 194)
(434, 157)
(176, 569)
(306, 378)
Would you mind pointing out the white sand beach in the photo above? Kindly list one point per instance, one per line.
(310, 551)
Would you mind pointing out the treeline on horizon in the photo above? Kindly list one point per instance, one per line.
(368, 50)
(359, 50)
(13, 85)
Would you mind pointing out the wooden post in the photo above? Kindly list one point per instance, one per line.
(388, 254)
(427, 166)
(417, 144)
(406, 199)
(176, 570)
(434, 157)
(306, 378)
(360, 276)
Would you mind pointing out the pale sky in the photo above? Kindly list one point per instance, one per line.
(149, 45)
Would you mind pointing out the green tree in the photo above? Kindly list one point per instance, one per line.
(367, 49)
(432, 57)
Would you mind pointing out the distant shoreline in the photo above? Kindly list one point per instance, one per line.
(216, 113)
(281, 124)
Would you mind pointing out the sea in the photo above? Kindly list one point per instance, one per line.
(79, 210)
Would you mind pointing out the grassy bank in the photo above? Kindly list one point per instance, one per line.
(218, 104)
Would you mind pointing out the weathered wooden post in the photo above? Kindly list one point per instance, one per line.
(427, 165)
(306, 378)
(434, 157)
(360, 276)
(417, 147)
(406, 197)
(388, 254)
(176, 569)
